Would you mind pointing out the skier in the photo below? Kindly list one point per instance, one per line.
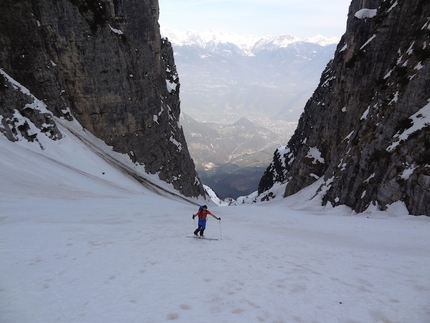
(202, 213)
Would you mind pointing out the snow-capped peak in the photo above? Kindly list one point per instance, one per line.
(205, 39)
(246, 43)
(322, 40)
(272, 42)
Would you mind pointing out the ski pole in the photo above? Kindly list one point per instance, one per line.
(220, 233)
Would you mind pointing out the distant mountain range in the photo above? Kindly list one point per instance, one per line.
(249, 44)
(235, 87)
(225, 77)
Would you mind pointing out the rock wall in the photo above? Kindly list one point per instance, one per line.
(365, 130)
(104, 63)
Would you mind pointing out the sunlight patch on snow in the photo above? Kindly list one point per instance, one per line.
(395, 99)
(116, 31)
(368, 41)
(410, 50)
(365, 114)
(365, 13)
(176, 143)
(349, 136)
(315, 155)
(388, 74)
(407, 173)
(314, 176)
(369, 178)
(418, 66)
(427, 24)
(393, 6)
(327, 81)
(282, 151)
(171, 86)
(420, 120)
(155, 119)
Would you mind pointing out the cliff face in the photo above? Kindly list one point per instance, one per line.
(104, 63)
(365, 130)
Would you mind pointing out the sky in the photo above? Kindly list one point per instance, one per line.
(305, 18)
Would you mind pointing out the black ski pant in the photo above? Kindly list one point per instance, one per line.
(199, 229)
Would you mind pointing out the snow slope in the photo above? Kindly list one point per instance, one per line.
(83, 241)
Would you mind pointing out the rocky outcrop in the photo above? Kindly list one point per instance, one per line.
(104, 63)
(365, 130)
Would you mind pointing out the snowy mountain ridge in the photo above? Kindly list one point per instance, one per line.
(248, 44)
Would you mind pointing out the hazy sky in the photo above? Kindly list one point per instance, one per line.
(301, 18)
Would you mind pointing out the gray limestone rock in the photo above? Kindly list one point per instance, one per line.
(104, 63)
(364, 118)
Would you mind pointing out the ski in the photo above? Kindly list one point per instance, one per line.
(202, 238)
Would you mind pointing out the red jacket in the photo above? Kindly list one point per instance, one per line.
(203, 214)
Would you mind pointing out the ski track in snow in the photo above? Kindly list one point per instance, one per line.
(128, 260)
(82, 242)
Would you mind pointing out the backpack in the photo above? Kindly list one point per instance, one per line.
(201, 207)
